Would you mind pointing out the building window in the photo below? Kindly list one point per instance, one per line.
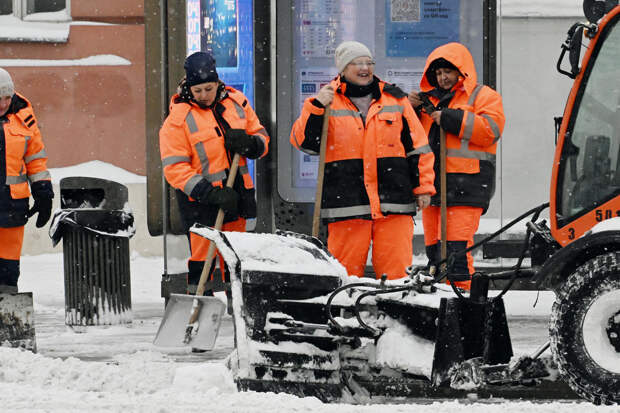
(27, 9)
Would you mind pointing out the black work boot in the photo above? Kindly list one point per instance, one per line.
(459, 271)
(9, 273)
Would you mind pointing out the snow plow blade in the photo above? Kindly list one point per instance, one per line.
(17, 321)
(304, 327)
(173, 328)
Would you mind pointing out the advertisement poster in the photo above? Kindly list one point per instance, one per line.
(413, 28)
(325, 24)
(219, 31)
(406, 79)
(193, 26)
(312, 80)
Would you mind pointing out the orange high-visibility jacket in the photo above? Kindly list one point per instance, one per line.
(372, 168)
(473, 120)
(23, 163)
(192, 148)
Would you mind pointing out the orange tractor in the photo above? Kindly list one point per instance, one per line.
(303, 326)
(583, 264)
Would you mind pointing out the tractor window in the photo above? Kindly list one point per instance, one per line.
(590, 170)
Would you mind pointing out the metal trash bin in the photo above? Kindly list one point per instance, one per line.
(95, 223)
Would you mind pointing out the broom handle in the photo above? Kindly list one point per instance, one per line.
(316, 217)
(219, 221)
(443, 195)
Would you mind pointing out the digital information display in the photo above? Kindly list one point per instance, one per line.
(225, 28)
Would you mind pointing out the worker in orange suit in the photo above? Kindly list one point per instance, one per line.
(208, 123)
(472, 117)
(378, 164)
(23, 171)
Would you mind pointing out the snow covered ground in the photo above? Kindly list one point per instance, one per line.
(117, 369)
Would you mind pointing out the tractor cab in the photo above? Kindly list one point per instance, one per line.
(585, 185)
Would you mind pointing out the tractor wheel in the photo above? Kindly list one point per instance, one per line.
(585, 328)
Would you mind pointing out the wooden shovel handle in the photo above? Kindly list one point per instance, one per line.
(219, 221)
(443, 195)
(316, 217)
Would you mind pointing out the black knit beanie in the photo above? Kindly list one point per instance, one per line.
(200, 68)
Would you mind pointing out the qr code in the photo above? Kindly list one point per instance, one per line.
(405, 10)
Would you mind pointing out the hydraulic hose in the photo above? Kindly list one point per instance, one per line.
(536, 211)
(373, 330)
(328, 305)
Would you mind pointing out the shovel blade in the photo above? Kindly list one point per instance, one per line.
(173, 326)
(17, 321)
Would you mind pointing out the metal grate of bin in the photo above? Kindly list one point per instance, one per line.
(97, 279)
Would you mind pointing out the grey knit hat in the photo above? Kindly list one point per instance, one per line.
(347, 51)
(6, 84)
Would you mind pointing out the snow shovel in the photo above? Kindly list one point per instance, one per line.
(316, 217)
(204, 313)
(443, 203)
(17, 321)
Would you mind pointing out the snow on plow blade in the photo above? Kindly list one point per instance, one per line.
(17, 321)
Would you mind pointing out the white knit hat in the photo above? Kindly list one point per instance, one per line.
(6, 84)
(347, 51)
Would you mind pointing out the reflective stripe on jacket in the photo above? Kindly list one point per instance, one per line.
(473, 119)
(192, 146)
(23, 162)
(372, 168)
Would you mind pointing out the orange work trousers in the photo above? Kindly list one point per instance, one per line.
(462, 224)
(11, 241)
(391, 237)
(200, 246)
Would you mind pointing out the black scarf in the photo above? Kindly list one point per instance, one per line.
(356, 91)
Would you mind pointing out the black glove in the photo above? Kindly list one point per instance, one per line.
(43, 206)
(225, 198)
(237, 141)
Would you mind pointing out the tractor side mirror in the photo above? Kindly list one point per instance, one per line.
(572, 44)
(574, 52)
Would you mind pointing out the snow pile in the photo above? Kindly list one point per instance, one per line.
(96, 60)
(140, 373)
(398, 348)
(51, 27)
(146, 382)
(14, 29)
(272, 253)
(97, 169)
